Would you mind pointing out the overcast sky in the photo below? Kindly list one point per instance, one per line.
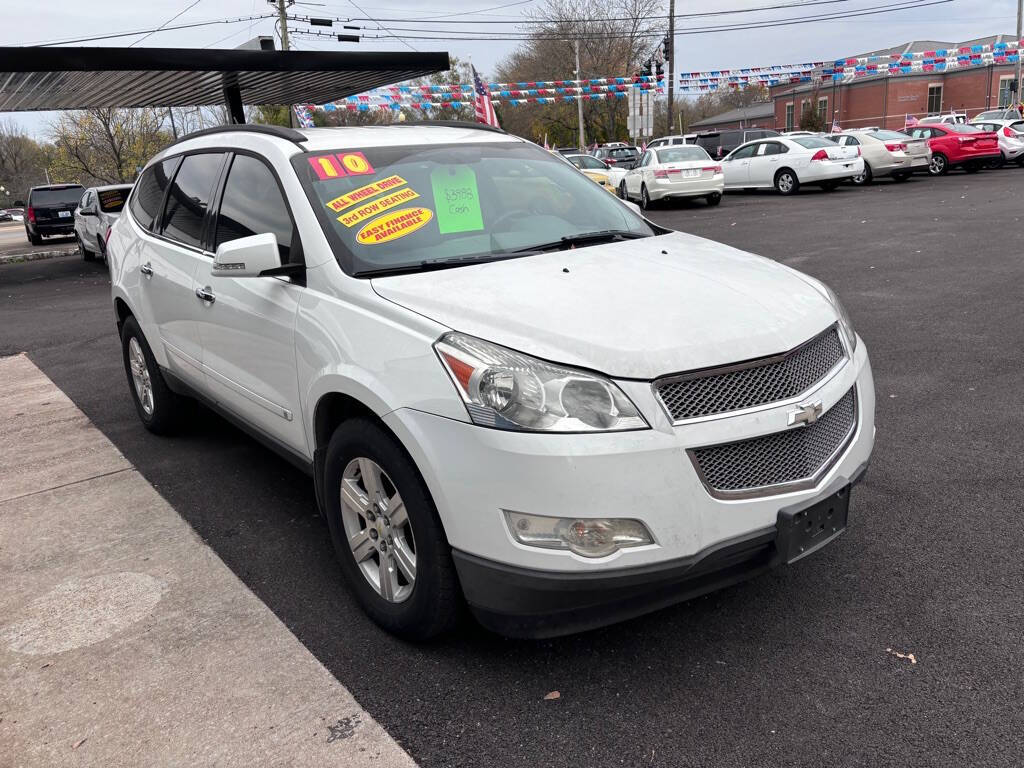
(27, 23)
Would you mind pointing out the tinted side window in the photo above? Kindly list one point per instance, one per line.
(189, 197)
(731, 138)
(772, 148)
(742, 154)
(149, 192)
(253, 204)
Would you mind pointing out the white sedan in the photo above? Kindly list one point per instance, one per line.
(673, 172)
(786, 163)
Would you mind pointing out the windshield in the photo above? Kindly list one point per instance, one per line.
(889, 135)
(388, 208)
(813, 142)
(682, 154)
(112, 200)
(961, 128)
(624, 152)
(588, 162)
(63, 196)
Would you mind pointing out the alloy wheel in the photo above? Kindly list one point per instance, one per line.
(140, 375)
(378, 530)
(937, 165)
(785, 183)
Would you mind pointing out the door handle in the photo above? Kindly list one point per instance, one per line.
(206, 294)
(146, 269)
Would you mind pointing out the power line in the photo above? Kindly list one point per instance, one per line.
(179, 13)
(403, 42)
(475, 35)
(521, 21)
(144, 31)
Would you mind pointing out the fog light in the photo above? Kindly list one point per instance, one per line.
(589, 537)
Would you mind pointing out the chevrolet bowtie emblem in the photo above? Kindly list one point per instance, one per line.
(805, 413)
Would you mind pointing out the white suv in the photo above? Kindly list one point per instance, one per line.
(509, 388)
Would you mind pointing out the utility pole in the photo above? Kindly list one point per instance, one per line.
(579, 102)
(282, 17)
(1020, 14)
(282, 20)
(670, 53)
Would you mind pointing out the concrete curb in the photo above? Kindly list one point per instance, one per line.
(16, 258)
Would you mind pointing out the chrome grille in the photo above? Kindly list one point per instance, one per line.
(780, 459)
(757, 382)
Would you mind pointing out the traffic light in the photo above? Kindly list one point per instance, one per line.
(666, 46)
(647, 69)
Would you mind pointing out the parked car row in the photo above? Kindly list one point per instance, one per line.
(706, 165)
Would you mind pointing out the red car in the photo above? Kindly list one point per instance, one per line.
(955, 144)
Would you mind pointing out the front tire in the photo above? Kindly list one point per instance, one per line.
(972, 167)
(902, 176)
(158, 407)
(830, 186)
(939, 166)
(714, 199)
(786, 182)
(996, 163)
(387, 534)
(622, 190)
(87, 255)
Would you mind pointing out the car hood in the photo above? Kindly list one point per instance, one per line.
(637, 309)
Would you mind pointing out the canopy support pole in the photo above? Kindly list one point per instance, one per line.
(233, 98)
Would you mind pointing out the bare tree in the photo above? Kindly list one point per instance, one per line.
(106, 146)
(607, 47)
(23, 163)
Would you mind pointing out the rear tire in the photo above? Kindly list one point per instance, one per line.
(786, 182)
(418, 608)
(714, 199)
(34, 239)
(645, 198)
(864, 178)
(939, 166)
(158, 407)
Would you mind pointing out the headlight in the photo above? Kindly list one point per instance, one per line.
(586, 537)
(509, 390)
(844, 318)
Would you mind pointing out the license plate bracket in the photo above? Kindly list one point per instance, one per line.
(799, 532)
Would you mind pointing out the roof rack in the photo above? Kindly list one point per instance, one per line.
(279, 131)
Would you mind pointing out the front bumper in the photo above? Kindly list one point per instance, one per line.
(521, 602)
(474, 474)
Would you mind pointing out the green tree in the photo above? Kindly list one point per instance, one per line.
(23, 163)
(105, 146)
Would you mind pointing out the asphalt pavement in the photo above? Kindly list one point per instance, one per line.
(14, 245)
(899, 645)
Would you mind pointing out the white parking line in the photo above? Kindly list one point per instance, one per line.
(124, 640)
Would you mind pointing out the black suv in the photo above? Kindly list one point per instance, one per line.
(718, 144)
(50, 210)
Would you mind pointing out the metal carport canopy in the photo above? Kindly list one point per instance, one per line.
(82, 78)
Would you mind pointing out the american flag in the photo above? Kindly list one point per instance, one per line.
(482, 103)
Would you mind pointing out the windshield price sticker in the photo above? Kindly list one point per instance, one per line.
(361, 194)
(456, 199)
(339, 165)
(379, 205)
(392, 226)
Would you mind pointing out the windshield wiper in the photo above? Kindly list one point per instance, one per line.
(587, 238)
(428, 265)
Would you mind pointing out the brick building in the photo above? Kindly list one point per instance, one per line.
(760, 115)
(885, 100)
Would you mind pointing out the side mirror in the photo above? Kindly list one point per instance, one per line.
(252, 256)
